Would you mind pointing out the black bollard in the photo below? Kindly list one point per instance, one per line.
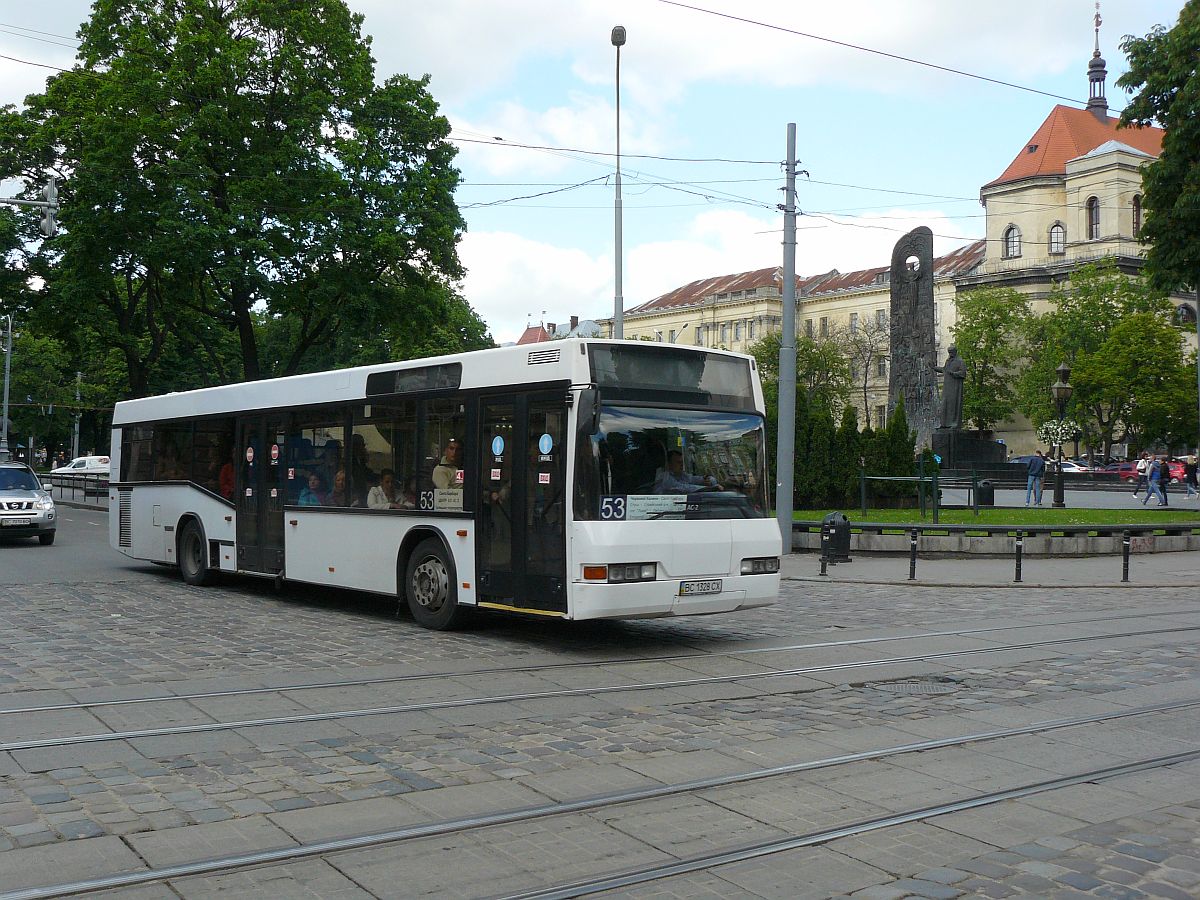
(1020, 548)
(1125, 556)
(912, 556)
(824, 563)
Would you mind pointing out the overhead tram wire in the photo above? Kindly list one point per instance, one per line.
(896, 56)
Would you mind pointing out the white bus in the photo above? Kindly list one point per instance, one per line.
(544, 480)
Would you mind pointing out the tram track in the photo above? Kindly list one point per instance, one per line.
(551, 667)
(302, 851)
(633, 877)
(425, 706)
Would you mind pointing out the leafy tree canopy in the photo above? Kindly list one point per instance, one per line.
(1163, 75)
(231, 164)
(822, 369)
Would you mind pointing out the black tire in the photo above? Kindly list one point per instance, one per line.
(46, 538)
(430, 588)
(193, 555)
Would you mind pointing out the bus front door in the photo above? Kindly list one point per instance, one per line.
(522, 514)
(261, 493)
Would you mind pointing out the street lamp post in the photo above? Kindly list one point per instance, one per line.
(4, 408)
(1061, 392)
(618, 41)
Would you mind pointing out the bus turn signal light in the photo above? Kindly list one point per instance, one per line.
(595, 573)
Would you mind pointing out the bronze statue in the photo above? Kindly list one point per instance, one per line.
(954, 373)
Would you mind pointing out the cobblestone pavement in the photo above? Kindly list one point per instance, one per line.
(163, 798)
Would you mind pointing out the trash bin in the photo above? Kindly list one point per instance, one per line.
(987, 493)
(835, 538)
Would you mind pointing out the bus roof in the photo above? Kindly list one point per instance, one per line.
(556, 361)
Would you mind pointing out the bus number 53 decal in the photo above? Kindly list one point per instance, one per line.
(612, 508)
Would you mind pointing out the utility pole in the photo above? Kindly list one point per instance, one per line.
(4, 408)
(786, 449)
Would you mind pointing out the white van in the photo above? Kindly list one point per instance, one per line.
(84, 465)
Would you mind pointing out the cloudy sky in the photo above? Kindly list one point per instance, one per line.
(705, 101)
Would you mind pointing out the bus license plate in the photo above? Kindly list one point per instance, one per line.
(14, 521)
(691, 588)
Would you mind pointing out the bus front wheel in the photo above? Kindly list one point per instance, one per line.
(429, 587)
(193, 555)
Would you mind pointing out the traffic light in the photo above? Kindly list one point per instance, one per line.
(49, 223)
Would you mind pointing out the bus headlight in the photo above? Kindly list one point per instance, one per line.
(760, 565)
(621, 573)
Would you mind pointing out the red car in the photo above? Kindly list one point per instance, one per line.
(1126, 471)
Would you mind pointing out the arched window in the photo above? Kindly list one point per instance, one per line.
(1058, 238)
(1137, 214)
(1093, 218)
(1012, 242)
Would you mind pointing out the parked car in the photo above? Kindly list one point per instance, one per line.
(26, 508)
(1022, 460)
(1175, 468)
(1069, 465)
(1126, 471)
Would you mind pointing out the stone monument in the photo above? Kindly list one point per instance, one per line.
(960, 449)
(913, 346)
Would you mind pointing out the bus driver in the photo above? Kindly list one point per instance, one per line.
(673, 480)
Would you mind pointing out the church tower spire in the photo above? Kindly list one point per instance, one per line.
(1097, 104)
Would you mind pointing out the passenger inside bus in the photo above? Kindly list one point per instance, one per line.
(445, 474)
(385, 495)
(313, 493)
(338, 496)
(673, 480)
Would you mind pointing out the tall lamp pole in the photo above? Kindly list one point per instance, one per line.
(1061, 392)
(618, 41)
(4, 408)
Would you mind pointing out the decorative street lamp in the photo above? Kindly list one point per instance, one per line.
(618, 41)
(1061, 392)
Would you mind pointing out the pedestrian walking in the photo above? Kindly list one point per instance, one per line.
(1154, 481)
(1189, 478)
(1142, 465)
(1036, 471)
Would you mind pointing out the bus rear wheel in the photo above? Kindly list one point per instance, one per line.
(429, 587)
(193, 555)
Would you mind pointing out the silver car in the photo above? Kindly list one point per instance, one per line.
(26, 508)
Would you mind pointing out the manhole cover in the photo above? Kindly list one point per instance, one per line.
(916, 686)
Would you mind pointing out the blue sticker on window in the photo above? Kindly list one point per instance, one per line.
(545, 444)
(497, 446)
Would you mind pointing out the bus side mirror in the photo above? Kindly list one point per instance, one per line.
(588, 412)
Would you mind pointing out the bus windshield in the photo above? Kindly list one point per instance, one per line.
(658, 463)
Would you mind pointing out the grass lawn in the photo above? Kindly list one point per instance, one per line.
(1042, 516)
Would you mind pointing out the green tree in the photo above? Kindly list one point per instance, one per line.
(819, 478)
(988, 333)
(236, 160)
(847, 450)
(1166, 92)
(1080, 321)
(822, 369)
(1143, 363)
